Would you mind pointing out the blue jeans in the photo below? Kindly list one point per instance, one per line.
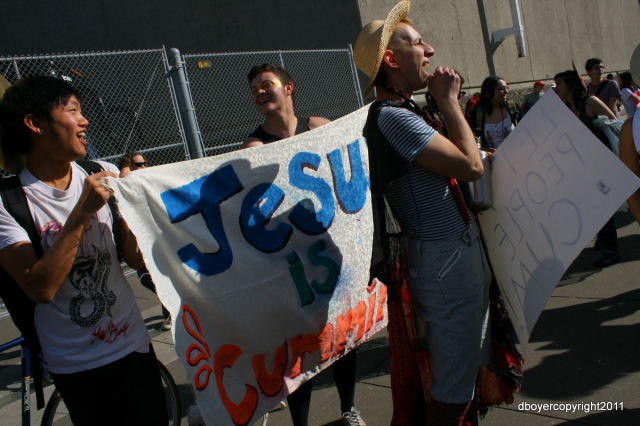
(449, 284)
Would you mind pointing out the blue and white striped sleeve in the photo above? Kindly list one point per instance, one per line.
(407, 132)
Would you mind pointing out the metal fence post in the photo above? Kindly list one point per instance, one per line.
(185, 104)
(356, 80)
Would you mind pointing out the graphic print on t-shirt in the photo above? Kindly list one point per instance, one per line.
(90, 275)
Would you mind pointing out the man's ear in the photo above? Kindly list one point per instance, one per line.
(288, 88)
(388, 59)
(34, 124)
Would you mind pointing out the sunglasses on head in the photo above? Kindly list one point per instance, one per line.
(144, 163)
(265, 85)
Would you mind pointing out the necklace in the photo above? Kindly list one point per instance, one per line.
(435, 123)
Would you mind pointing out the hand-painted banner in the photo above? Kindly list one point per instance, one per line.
(262, 258)
(554, 186)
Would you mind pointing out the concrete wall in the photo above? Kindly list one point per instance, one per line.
(556, 31)
(195, 26)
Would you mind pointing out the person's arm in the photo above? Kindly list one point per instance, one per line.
(129, 246)
(41, 278)
(612, 102)
(596, 107)
(315, 122)
(458, 156)
(124, 171)
(630, 157)
(633, 98)
(251, 142)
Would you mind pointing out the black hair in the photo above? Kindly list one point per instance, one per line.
(37, 95)
(572, 79)
(591, 63)
(488, 88)
(626, 81)
(125, 161)
(282, 74)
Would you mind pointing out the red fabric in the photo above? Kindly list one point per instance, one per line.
(410, 370)
(443, 414)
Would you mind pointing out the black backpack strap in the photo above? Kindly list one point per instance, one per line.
(91, 167)
(20, 306)
(601, 87)
(15, 202)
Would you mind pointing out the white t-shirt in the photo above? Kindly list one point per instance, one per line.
(93, 319)
(629, 105)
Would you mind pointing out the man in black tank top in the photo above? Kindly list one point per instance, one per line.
(273, 96)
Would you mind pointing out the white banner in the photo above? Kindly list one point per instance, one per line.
(262, 258)
(554, 186)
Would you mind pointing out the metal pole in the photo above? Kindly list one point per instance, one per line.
(185, 104)
(356, 80)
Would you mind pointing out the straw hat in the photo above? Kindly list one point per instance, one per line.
(373, 41)
(9, 161)
(634, 66)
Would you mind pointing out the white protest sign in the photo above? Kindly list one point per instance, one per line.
(554, 186)
(262, 258)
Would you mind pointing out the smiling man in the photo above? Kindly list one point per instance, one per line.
(413, 170)
(273, 96)
(61, 263)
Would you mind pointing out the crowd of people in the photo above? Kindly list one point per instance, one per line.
(64, 259)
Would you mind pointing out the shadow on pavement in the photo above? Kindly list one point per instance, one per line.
(608, 418)
(596, 354)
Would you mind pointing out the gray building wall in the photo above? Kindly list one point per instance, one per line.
(556, 31)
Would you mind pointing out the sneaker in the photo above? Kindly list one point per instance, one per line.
(598, 245)
(607, 258)
(194, 418)
(352, 418)
(166, 324)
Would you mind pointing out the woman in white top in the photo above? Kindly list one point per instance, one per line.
(629, 94)
(495, 116)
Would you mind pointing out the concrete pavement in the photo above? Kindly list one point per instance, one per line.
(584, 349)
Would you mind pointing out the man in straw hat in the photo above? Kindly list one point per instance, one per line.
(61, 264)
(413, 171)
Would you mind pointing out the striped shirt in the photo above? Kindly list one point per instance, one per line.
(422, 200)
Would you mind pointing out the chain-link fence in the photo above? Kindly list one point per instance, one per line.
(131, 104)
(326, 85)
(126, 99)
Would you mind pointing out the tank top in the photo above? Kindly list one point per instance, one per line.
(265, 138)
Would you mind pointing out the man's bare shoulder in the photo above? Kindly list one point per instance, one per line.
(315, 122)
(251, 142)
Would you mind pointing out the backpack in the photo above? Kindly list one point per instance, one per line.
(20, 306)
